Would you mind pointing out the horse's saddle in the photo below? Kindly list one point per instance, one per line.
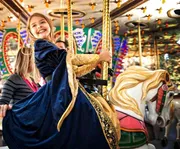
(133, 131)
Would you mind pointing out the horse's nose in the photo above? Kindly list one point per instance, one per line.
(160, 121)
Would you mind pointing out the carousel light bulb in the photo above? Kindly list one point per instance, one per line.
(92, 20)
(125, 34)
(131, 32)
(149, 17)
(9, 19)
(166, 25)
(118, 4)
(2, 24)
(77, 22)
(129, 17)
(93, 7)
(117, 28)
(116, 23)
(163, 1)
(47, 4)
(29, 9)
(142, 32)
(144, 10)
(159, 21)
(83, 25)
(21, 1)
(159, 10)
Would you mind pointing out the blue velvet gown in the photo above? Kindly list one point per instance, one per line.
(32, 122)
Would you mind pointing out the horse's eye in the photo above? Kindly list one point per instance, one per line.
(171, 94)
(146, 108)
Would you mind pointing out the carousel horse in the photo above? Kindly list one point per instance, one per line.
(175, 115)
(140, 94)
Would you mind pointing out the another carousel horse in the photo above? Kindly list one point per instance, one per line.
(175, 115)
(140, 93)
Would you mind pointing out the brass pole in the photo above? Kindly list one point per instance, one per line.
(19, 28)
(105, 43)
(62, 28)
(110, 38)
(156, 51)
(139, 44)
(158, 59)
(70, 35)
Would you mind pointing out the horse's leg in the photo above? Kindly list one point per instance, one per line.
(177, 130)
(156, 130)
(147, 146)
(164, 141)
(177, 142)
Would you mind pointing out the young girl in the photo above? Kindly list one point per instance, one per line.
(61, 115)
(20, 84)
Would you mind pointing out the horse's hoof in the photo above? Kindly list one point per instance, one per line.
(164, 142)
(177, 144)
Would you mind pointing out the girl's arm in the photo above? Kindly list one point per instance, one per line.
(85, 63)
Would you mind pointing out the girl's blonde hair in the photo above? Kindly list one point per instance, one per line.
(25, 64)
(31, 36)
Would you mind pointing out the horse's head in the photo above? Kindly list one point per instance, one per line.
(158, 108)
(143, 94)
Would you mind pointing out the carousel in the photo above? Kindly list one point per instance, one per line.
(142, 82)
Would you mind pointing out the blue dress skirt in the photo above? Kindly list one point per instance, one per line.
(32, 122)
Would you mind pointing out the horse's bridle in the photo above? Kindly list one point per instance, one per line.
(160, 98)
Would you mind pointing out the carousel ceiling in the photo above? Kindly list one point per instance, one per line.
(159, 20)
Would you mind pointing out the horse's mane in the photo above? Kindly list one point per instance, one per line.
(131, 78)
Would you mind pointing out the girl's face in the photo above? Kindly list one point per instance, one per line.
(39, 27)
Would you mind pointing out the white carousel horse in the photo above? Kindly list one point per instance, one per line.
(175, 115)
(139, 94)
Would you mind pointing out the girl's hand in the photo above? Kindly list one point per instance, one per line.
(3, 109)
(105, 56)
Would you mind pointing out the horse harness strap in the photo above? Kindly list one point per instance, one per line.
(160, 98)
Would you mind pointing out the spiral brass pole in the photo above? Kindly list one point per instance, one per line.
(105, 43)
(62, 22)
(70, 35)
(62, 28)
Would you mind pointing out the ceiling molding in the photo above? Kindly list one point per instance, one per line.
(127, 6)
(148, 32)
(15, 8)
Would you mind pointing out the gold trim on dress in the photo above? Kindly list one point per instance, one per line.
(107, 117)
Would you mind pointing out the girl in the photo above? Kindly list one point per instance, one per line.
(20, 84)
(61, 115)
